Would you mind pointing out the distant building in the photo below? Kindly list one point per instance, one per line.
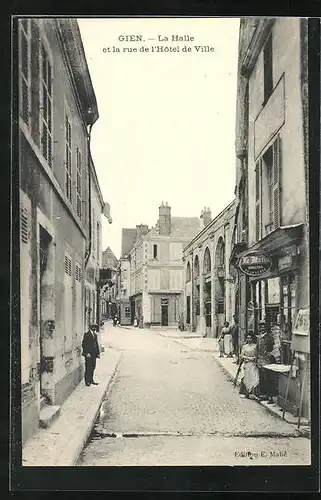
(108, 293)
(94, 253)
(208, 285)
(156, 269)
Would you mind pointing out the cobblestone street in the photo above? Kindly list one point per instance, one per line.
(170, 405)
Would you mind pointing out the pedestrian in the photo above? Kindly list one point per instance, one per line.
(90, 351)
(235, 338)
(228, 349)
(250, 381)
(135, 322)
(265, 357)
(115, 321)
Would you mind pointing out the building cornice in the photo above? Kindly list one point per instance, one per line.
(69, 31)
(210, 229)
(258, 39)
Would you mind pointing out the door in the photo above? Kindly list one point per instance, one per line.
(164, 315)
(45, 239)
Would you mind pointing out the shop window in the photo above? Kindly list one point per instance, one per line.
(127, 312)
(268, 68)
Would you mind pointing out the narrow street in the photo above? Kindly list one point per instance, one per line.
(170, 405)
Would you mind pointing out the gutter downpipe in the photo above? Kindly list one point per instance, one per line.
(87, 255)
(88, 252)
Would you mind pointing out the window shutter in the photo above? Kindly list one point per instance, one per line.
(25, 224)
(276, 183)
(258, 218)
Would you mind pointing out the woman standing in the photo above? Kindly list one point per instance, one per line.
(228, 346)
(250, 381)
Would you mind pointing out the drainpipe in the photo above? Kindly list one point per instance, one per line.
(87, 255)
(88, 252)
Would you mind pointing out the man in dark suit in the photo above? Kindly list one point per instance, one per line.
(90, 350)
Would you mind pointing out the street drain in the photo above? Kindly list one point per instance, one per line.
(138, 434)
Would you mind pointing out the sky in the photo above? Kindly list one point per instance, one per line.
(166, 127)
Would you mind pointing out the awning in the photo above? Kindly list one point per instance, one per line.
(283, 236)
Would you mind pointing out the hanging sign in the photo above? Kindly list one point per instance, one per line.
(254, 264)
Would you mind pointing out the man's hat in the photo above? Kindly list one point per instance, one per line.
(262, 322)
(93, 325)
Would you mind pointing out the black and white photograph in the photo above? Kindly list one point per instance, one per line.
(164, 241)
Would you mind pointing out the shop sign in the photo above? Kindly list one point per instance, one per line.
(254, 264)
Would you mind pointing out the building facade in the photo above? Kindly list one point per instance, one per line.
(93, 261)
(57, 106)
(208, 285)
(156, 269)
(108, 291)
(272, 189)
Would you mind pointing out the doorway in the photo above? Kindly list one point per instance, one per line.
(44, 296)
(164, 315)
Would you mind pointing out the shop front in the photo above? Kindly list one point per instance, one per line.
(278, 296)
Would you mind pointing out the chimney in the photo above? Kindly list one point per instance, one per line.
(206, 216)
(164, 220)
(141, 230)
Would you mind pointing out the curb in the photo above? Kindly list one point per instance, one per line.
(95, 411)
(272, 411)
(198, 349)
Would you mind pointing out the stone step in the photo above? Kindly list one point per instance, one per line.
(48, 415)
(43, 402)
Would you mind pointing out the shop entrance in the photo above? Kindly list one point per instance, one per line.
(164, 309)
(272, 312)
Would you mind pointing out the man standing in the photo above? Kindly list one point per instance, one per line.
(264, 358)
(90, 350)
(235, 338)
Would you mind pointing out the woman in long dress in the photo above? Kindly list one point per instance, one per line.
(250, 381)
(228, 345)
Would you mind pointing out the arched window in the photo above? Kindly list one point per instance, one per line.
(220, 253)
(207, 261)
(196, 267)
(188, 272)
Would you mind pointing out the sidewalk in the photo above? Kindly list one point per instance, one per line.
(62, 443)
(230, 369)
(173, 333)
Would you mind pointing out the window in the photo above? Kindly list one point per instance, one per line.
(68, 158)
(78, 183)
(154, 251)
(188, 272)
(98, 240)
(127, 312)
(268, 190)
(268, 69)
(46, 106)
(25, 70)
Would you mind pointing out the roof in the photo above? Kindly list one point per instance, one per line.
(185, 226)
(128, 239)
(109, 260)
(182, 227)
